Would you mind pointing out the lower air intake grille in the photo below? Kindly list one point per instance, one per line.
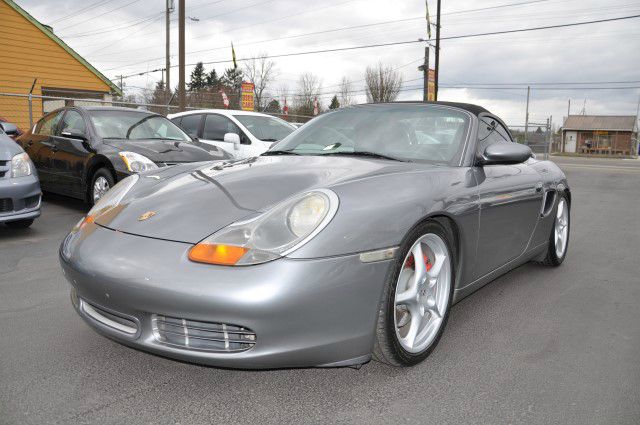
(202, 336)
(6, 205)
(111, 320)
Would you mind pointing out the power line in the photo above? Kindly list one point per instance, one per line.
(368, 46)
(78, 12)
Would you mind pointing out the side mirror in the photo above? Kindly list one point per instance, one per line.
(506, 153)
(9, 129)
(233, 138)
(73, 134)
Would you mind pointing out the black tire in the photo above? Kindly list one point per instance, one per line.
(551, 257)
(19, 224)
(100, 172)
(387, 349)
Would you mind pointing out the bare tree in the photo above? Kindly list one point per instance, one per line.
(261, 72)
(309, 86)
(383, 83)
(346, 92)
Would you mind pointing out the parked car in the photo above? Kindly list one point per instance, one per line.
(242, 134)
(347, 240)
(19, 187)
(9, 129)
(84, 151)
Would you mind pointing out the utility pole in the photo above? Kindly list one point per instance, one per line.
(168, 46)
(425, 69)
(526, 118)
(181, 62)
(437, 70)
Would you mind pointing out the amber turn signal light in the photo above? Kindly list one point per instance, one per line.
(226, 255)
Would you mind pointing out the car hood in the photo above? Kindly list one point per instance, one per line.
(190, 202)
(8, 148)
(159, 150)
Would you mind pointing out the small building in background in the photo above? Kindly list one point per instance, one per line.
(600, 134)
(32, 52)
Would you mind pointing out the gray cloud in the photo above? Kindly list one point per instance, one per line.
(600, 52)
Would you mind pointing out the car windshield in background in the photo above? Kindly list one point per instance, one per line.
(135, 126)
(416, 133)
(268, 129)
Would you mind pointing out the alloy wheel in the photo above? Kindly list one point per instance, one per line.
(422, 293)
(100, 187)
(561, 231)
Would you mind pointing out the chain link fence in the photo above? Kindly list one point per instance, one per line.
(26, 109)
(537, 135)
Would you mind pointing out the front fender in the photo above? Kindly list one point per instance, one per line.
(377, 212)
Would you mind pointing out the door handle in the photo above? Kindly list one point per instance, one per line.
(30, 142)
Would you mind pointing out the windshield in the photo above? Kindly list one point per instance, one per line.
(268, 129)
(406, 132)
(134, 125)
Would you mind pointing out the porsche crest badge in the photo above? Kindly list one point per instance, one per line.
(146, 215)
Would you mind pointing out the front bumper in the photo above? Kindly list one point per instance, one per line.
(319, 312)
(20, 198)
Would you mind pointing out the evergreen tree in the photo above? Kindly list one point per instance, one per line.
(212, 79)
(273, 107)
(335, 104)
(198, 78)
(232, 78)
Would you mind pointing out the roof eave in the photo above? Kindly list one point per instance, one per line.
(115, 89)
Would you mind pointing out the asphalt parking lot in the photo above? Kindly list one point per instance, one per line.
(538, 345)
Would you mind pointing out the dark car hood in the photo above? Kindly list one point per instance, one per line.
(158, 150)
(191, 202)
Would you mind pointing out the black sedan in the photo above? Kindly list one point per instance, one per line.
(83, 151)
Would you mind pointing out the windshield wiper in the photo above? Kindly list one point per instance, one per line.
(364, 153)
(269, 140)
(279, 153)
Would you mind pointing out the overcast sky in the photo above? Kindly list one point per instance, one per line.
(128, 36)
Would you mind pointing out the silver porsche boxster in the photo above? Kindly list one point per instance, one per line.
(347, 240)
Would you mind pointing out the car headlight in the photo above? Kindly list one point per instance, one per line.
(21, 165)
(137, 163)
(274, 234)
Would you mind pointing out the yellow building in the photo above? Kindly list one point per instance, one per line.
(32, 52)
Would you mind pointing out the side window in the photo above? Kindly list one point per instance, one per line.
(74, 122)
(216, 126)
(48, 124)
(491, 131)
(189, 123)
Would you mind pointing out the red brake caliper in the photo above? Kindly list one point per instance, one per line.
(427, 262)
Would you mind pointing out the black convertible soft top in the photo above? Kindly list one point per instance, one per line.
(474, 109)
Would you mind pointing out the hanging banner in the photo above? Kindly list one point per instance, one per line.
(247, 97)
(431, 85)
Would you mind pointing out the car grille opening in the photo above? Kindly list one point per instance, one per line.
(31, 201)
(6, 205)
(203, 336)
(109, 319)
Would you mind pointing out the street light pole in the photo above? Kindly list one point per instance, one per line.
(425, 69)
(168, 48)
(437, 70)
(526, 117)
(181, 53)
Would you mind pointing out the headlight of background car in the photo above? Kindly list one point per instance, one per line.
(21, 165)
(271, 235)
(137, 163)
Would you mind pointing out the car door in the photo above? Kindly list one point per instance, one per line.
(39, 147)
(213, 131)
(71, 152)
(510, 200)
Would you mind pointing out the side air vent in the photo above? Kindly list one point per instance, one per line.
(547, 202)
